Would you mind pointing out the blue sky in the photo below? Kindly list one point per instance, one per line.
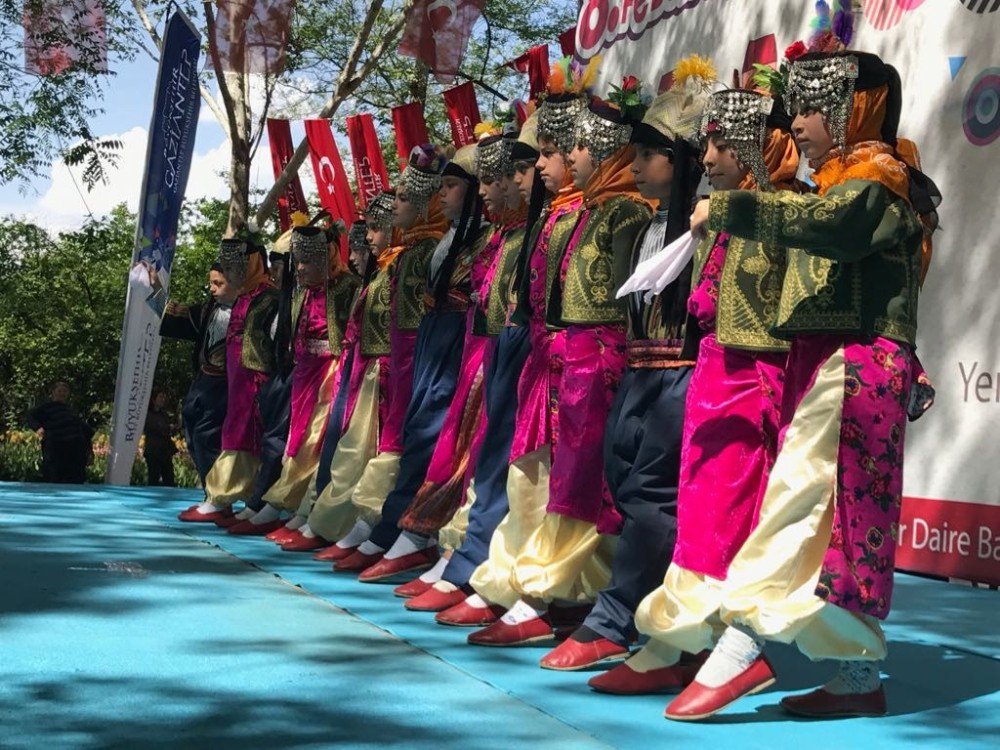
(53, 199)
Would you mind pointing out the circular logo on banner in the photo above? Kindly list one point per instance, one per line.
(982, 6)
(981, 112)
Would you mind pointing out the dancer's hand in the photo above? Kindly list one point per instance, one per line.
(699, 219)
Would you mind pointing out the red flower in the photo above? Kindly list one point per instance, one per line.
(630, 83)
(795, 51)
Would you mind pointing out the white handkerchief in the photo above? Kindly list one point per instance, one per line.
(654, 275)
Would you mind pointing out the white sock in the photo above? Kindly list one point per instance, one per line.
(434, 574)
(737, 649)
(305, 531)
(245, 514)
(356, 535)
(296, 523)
(206, 507)
(369, 548)
(855, 678)
(406, 544)
(446, 587)
(648, 658)
(267, 514)
(477, 602)
(521, 612)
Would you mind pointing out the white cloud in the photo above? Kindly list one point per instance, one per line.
(63, 203)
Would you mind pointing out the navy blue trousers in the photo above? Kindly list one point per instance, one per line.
(276, 413)
(437, 358)
(642, 456)
(494, 458)
(203, 412)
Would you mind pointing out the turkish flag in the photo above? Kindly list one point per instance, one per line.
(331, 180)
(567, 42)
(411, 129)
(369, 165)
(279, 135)
(534, 62)
(463, 113)
(760, 51)
(437, 33)
(250, 36)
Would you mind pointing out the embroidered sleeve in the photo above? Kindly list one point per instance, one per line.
(841, 225)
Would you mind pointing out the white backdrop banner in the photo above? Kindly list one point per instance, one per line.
(948, 56)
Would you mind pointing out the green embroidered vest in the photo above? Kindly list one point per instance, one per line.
(410, 271)
(377, 315)
(257, 353)
(853, 259)
(749, 293)
(491, 321)
(599, 265)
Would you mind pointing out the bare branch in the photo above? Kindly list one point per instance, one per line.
(347, 82)
(220, 76)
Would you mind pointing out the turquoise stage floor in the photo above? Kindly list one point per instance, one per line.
(120, 627)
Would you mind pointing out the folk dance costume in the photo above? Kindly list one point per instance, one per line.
(363, 388)
(731, 422)
(418, 215)
(566, 558)
(319, 319)
(204, 407)
(275, 396)
(440, 507)
(249, 364)
(531, 445)
(642, 441)
(362, 263)
(818, 568)
(438, 375)
(479, 519)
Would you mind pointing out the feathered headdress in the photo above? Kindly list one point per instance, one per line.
(676, 113)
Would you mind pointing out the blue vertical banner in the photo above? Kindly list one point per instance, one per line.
(168, 163)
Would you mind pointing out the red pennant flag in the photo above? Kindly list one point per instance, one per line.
(62, 35)
(463, 113)
(437, 33)
(279, 135)
(369, 166)
(250, 36)
(331, 180)
(567, 42)
(760, 51)
(411, 129)
(534, 62)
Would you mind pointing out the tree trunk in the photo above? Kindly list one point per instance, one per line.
(239, 149)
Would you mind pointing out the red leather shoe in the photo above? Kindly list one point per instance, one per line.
(501, 634)
(623, 680)
(357, 561)
(819, 704)
(282, 534)
(433, 600)
(410, 589)
(464, 615)
(386, 568)
(571, 655)
(300, 543)
(226, 521)
(246, 528)
(699, 702)
(333, 553)
(191, 515)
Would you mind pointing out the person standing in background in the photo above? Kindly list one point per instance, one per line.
(159, 449)
(66, 449)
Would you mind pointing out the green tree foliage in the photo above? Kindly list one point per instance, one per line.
(61, 306)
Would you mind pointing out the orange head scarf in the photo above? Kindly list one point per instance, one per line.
(781, 157)
(256, 273)
(614, 177)
(432, 227)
